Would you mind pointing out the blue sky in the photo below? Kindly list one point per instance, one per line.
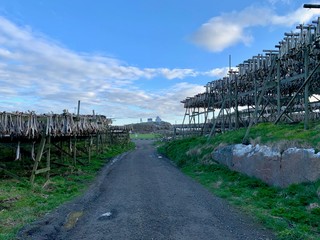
(130, 59)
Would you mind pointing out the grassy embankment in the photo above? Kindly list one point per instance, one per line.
(21, 204)
(292, 213)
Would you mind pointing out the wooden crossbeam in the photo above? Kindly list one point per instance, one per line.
(307, 80)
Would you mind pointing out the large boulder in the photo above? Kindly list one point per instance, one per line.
(269, 164)
(300, 165)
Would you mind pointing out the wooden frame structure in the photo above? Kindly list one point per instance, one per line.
(41, 136)
(278, 85)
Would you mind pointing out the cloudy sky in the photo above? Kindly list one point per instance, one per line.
(130, 59)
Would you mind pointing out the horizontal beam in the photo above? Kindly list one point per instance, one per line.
(307, 5)
(42, 170)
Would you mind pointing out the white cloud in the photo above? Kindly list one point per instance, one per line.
(231, 28)
(219, 72)
(25, 50)
(301, 15)
(39, 74)
(164, 102)
(136, 104)
(177, 73)
(273, 2)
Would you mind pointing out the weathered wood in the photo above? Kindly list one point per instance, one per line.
(42, 170)
(48, 156)
(60, 164)
(309, 78)
(45, 141)
(61, 150)
(74, 151)
(38, 159)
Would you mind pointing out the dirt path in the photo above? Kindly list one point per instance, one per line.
(142, 196)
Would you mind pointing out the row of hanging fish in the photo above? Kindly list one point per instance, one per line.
(30, 125)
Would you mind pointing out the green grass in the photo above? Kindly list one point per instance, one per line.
(21, 204)
(292, 213)
(145, 136)
(295, 133)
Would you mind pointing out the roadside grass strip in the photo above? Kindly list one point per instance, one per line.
(145, 136)
(292, 213)
(20, 203)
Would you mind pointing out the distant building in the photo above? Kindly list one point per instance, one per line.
(158, 119)
(149, 119)
(140, 120)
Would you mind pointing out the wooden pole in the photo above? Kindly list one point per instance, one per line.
(306, 89)
(38, 158)
(278, 88)
(48, 156)
(256, 105)
(74, 150)
(236, 103)
(78, 111)
(90, 146)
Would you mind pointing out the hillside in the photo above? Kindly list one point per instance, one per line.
(151, 127)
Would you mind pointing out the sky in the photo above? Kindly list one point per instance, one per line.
(130, 60)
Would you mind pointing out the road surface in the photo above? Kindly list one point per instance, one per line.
(141, 195)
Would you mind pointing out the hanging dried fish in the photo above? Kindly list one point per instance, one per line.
(32, 152)
(70, 146)
(18, 153)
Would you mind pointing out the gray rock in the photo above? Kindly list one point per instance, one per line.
(268, 164)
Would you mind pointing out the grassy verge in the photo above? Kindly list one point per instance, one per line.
(21, 204)
(292, 213)
(145, 136)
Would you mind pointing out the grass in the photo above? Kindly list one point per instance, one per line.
(21, 204)
(145, 135)
(295, 133)
(292, 213)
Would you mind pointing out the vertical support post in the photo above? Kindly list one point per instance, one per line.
(74, 151)
(78, 112)
(278, 89)
(222, 122)
(229, 93)
(75, 138)
(90, 146)
(182, 126)
(248, 108)
(198, 120)
(306, 89)
(255, 101)
(48, 156)
(230, 127)
(213, 130)
(213, 120)
(38, 158)
(213, 117)
(61, 153)
(204, 126)
(236, 102)
(103, 140)
(222, 112)
(98, 144)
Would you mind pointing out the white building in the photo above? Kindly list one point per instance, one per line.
(158, 119)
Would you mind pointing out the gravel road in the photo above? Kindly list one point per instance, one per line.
(140, 195)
